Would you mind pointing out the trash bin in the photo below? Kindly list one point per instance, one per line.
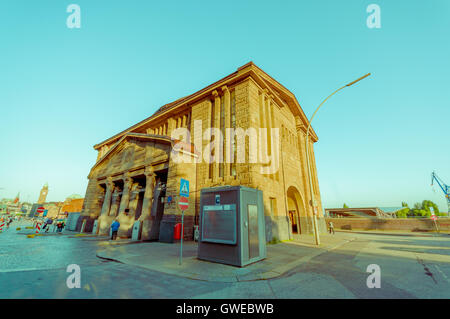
(177, 231)
(166, 230)
(196, 233)
(137, 230)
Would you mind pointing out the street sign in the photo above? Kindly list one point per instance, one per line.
(184, 188)
(40, 210)
(183, 203)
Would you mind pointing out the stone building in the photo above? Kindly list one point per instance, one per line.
(72, 204)
(43, 194)
(140, 167)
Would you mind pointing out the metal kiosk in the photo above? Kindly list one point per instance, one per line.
(232, 225)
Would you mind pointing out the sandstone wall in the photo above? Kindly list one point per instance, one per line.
(403, 224)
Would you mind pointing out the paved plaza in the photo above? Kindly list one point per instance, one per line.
(411, 267)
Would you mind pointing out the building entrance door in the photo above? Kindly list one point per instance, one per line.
(293, 219)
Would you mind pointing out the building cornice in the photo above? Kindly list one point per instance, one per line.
(243, 72)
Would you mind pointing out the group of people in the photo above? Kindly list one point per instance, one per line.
(59, 225)
(8, 222)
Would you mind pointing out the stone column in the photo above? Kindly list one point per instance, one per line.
(104, 221)
(216, 122)
(148, 195)
(269, 123)
(147, 204)
(125, 220)
(263, 142)
(107, 201)
(134, 197)
(205, 143)
(226, 143)
(115, 202)
(171, 124)
(125, 194)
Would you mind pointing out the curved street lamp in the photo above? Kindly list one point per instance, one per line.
(313, 200)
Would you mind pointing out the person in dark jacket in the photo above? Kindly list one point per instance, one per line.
(114, 228)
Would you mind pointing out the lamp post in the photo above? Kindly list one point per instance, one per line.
(313, 200)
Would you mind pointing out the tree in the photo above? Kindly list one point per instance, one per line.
(402, 213)
(430, 206)
(423, 209)
(345, 206)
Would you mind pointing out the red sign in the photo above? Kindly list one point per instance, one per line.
(40, 209)
(183, 202)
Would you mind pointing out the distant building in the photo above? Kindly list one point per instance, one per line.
(43, 194)
(365, 212)
(72, 204)
(57, 210)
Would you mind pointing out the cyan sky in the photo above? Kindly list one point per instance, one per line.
(63, 90)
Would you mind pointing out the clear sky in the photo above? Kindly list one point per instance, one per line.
(63, 90)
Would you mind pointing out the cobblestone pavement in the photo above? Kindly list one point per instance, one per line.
(411, 267)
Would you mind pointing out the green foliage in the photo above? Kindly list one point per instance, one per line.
(423, 209)
(345, 206)
(274, 241)
(403, 213)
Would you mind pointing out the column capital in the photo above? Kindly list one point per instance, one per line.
(224, 89)
(149, 171)
(215, 94)
(127, 178)
(109, 182)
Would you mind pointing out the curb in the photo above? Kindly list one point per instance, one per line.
(274, 273)
(429, 234)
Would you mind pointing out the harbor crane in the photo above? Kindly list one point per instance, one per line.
(445, 188)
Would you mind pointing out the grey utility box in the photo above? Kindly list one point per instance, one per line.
(232, 225)
(137, 230)
(95, 227)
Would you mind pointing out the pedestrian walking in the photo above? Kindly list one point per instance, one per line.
(331, 226)
(59, 226)
(114, 228)
(47, 224)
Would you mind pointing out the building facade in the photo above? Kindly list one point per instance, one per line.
(43, 194)
(140, 168)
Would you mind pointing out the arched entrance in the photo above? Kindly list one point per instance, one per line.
(295, 209)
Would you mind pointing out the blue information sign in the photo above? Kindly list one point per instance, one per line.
(184, 188)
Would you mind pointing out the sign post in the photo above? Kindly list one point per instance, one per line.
(183, 203)
(433, 217)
